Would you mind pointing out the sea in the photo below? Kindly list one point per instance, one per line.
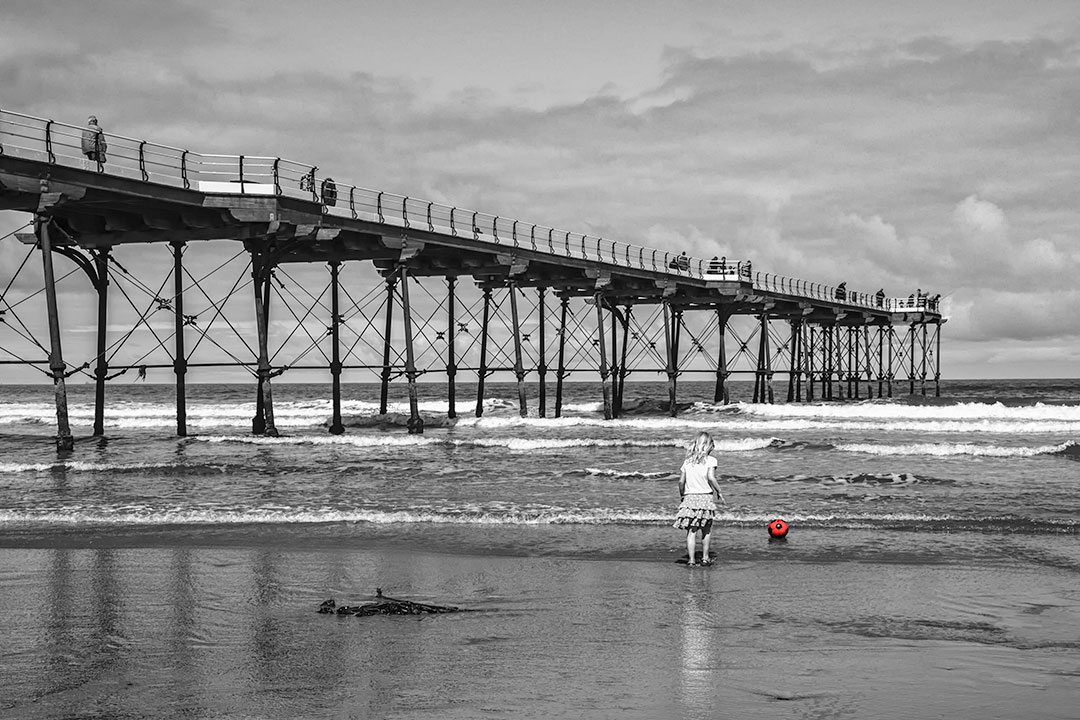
(931, 566)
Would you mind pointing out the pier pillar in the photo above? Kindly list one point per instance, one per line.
(180, 359)
(811, 349)
(415, 422)
(101, 371)
(613, 365)
(795, 371)
(627, 311)
(672, 320)
(937, 360)
(599, 301)
(483, 371)
(451, 361)
(922, 364)
(855, 362)
(720, 393)
(765, 361)
(890, 375)
(912, 333)
(388, 329)
(64, 441)
(868, 362)
(541, 366)
(881, 361)
(336, 427)
(560, 370)
(519, 367)
(263, 422)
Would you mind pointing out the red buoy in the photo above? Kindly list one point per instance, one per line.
(778, 528)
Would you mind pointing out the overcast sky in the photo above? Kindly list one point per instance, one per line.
(900, 145)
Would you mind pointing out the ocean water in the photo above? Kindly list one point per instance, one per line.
(933, 543)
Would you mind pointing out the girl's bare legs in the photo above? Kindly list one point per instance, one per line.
(706, 536)
(691, 541)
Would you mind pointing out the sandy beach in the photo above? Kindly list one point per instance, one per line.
(225, 626)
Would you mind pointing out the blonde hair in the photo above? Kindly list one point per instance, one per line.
(701, 449)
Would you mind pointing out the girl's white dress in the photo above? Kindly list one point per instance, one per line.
(697, 508)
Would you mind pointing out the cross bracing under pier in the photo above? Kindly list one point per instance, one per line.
(186, 262)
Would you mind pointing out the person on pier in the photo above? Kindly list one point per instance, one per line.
(93, 142)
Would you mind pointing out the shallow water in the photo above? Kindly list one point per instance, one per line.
(931, 568)
(796, 629)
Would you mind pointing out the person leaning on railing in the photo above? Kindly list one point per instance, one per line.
(93, 142)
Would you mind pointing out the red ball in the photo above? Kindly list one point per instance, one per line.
(778, 528)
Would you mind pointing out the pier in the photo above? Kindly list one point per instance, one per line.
(212, 259)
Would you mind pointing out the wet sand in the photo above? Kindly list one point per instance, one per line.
(201, 626)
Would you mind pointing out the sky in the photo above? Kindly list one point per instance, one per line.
(931, 145)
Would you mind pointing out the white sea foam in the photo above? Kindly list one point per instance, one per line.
(79, 466)
(611, 472)
(947, 449)
(892, 411)
(348, 440)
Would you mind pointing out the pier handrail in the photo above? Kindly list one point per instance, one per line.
(57, 143)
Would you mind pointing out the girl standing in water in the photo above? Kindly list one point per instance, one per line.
(697, 485)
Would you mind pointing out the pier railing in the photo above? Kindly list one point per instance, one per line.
(57, 143)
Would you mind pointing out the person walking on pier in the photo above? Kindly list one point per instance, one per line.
(93, 142)
(697, 488)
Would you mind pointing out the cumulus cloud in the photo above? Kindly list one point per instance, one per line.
(935, 158)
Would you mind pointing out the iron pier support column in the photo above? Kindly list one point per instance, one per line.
(101, 260)
(720, 393)
(868, 362)
(912, 332)
(627, 311)
(890, 375)
(671, 338)
(937, 360)
(336, 427)
(483, 371)
(541, 366)
(766, 355)
(560, 370)
(519, 367)
(599, 301)
(855, 361)
(881, 361)
(180, 361)
(810, 364)
(795, 370)
(384, 391)
(826, 362)
(613, 366)
(415, 422)
(451, 363)
(64, 441)
(922, 364)
(264, 411)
